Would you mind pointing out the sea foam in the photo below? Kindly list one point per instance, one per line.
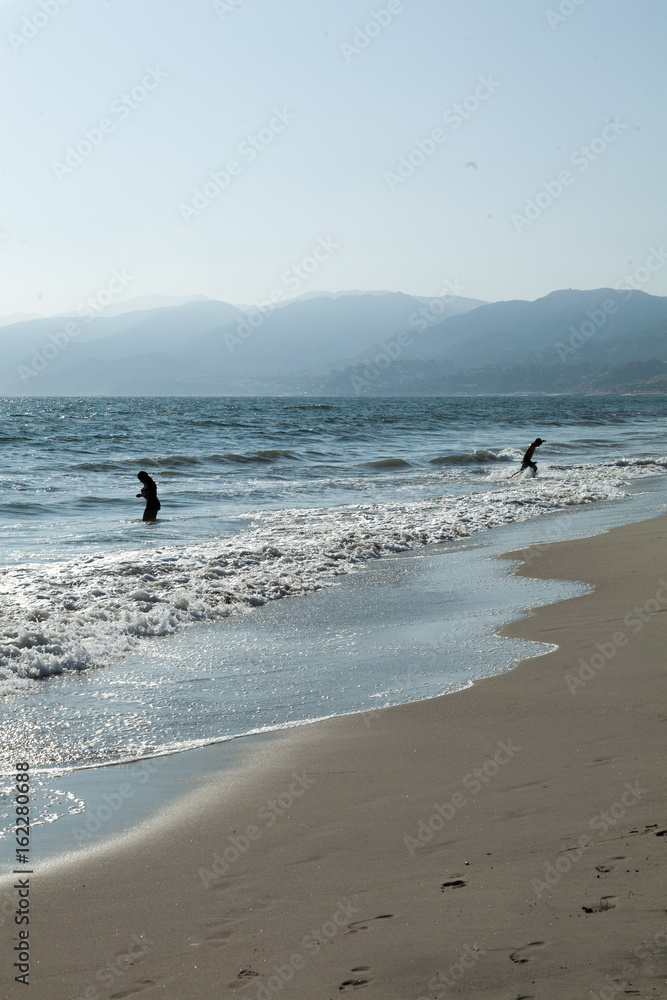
(85, 612)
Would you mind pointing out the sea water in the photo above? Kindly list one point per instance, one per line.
(120, 639)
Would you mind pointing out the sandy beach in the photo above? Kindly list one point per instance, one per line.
(503, 841)
(333, 501)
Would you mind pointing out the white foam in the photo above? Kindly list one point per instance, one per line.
(85, 612)
(47, 805)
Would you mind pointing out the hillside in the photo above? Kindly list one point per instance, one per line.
(351, 343)
(568, 341)
(206, 347)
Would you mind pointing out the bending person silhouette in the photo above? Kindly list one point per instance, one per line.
(527, 460)
(149, 493)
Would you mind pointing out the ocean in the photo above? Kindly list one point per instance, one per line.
(122, 640)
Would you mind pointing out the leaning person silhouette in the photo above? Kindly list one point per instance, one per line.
(149, 493)
(527, 460)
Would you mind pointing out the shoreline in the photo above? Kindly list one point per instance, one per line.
(430, 583)
(407, 598)
(333, 854)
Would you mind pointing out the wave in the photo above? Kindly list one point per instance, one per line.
(639, 463)
(99, 466)
(85, 612)
(388, 463)
(167, 462)
(269, 455)
(480, 456)
(24, 507)
(91, 500)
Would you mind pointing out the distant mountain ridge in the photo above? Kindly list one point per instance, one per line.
(142, 302)
(560, 343)
(205, 346)
(348, 343)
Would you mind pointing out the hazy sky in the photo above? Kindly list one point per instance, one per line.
(306, 107)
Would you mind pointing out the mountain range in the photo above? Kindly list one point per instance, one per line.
(346, 343)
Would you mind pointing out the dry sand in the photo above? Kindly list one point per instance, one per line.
(505, 839)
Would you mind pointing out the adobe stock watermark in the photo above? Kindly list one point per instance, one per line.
(565, 10)
(455, 116)
(113, 802)
(391, 349)
(473, 782)
(601, 823)
(432, 311)
(596, 318)
(311, 944)
(635, 620)
(364, 34)
(467, 960)
(111, 973)
(534, 552)
(225, 7)
(88, 310)
(293, 278)
(239, 844)
(248, 150)
(581, 158)
(632, 282)
(35, 22)
(644, 952)
(121, 109)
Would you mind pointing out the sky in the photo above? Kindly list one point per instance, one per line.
(242, 148)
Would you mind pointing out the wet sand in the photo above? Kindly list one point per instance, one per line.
(504, 840)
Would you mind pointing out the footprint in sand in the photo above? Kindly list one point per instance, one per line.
(518, 955)
(244, 975)
(606, 903)
(144, 984)
(362, 925)
(454, 884)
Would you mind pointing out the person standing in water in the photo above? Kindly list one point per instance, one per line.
(149, 493)
(527, 460)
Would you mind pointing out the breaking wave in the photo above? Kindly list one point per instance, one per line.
(85, 612)
(481, 456)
